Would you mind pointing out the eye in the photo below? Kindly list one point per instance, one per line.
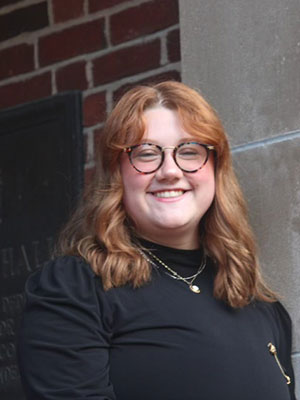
(146, 153)
(190, 151)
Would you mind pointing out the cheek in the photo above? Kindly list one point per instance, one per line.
(134, 187)
(133, 180)
(134, 201)
(209, 174)
(205, 178)
(127, 174)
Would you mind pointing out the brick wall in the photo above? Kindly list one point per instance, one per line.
(100, 47)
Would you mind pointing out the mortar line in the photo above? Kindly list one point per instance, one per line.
(283, 137)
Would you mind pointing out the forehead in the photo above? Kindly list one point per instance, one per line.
(162, 123)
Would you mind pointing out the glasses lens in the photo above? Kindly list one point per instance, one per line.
(191, 156)
(146, 157)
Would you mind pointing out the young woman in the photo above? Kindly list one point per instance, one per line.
(157, 292)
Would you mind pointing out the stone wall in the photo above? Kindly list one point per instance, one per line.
(245, 57)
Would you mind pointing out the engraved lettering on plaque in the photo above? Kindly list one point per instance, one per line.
(7, 327)
(13, 304)
(6, 262)
(24, 259)
(7, 351)
(9, 374)
(34, 203)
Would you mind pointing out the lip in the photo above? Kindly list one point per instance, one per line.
(169, 195)
(179, 189)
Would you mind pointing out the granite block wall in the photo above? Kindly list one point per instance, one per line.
(244, 57)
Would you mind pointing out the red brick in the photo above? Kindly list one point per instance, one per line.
(72, 77)
(16, 60)
(64, 11)
(125, 62)
(173, 45)
(72, 42)
(164, 76)
(85, 147)
(25, 91)
(96, 5)
(97, 136)
(25, 19)
(94, 109)
(143, 19)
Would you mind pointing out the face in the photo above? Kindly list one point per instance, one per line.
(166, 206)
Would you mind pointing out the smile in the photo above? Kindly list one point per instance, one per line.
(169, 193)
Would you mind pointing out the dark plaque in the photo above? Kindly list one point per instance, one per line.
(41, 173)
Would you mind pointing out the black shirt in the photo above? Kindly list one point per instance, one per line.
(158, 342)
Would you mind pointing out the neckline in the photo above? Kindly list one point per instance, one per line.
(178, 259)
(160, 247)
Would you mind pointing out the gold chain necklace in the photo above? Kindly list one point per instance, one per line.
(174, 274)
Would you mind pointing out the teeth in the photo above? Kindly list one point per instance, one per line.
(169, 193)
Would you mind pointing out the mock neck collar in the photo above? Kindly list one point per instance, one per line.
(173, 256)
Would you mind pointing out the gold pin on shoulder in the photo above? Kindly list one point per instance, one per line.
(273, 351)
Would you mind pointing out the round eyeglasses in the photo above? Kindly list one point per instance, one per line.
(147, 158)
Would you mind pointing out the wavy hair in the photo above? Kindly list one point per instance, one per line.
(100, 231)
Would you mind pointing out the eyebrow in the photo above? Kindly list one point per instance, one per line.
(153, 141)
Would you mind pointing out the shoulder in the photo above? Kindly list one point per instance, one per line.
(282, 314)
(66, 276)
(67, 285)
(276, 315)
(283, 321)
(279, 314)
(60, 269)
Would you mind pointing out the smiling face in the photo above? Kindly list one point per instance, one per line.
(166, 206)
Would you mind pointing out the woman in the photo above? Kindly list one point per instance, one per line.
(157, 294)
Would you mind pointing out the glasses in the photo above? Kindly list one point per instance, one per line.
(147, 158)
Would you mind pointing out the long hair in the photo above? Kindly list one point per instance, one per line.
(101, 233)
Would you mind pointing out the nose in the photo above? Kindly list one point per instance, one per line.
(169, 169)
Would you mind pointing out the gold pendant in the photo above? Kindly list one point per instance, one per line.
(195, 288)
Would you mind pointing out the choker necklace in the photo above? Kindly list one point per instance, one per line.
(188, 280)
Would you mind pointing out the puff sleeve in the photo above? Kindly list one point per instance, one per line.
(63, 348)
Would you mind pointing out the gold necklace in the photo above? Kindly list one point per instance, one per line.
(189, 282)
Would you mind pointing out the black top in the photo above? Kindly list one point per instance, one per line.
(158, 342)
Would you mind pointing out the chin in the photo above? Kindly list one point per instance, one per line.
(180, 225)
